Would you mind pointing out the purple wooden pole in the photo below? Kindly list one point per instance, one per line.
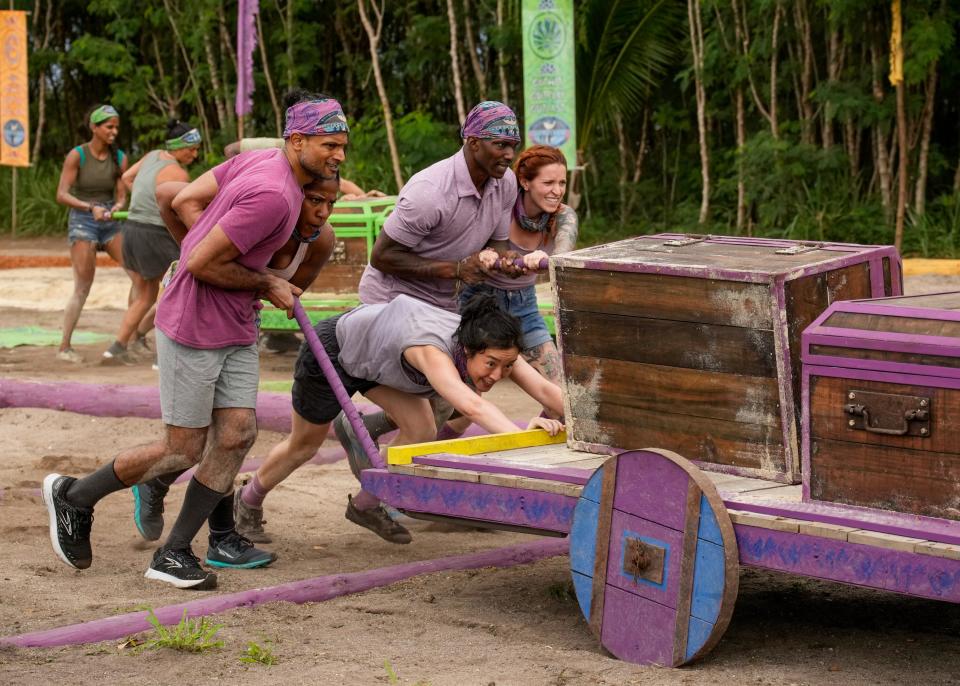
(326, 366)
(544, 263)
(312, 590)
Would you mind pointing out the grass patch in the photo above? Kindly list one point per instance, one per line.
(189, 635)
(257, 654)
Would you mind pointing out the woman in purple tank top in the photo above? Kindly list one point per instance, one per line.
(542, 226)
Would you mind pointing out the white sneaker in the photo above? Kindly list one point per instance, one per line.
(70, 355)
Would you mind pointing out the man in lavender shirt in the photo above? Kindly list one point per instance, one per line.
(206, 347)
(447, 214)
(450, 224)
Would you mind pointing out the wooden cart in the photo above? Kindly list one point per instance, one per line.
(656, 540)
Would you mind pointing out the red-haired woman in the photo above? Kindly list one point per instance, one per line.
(542, 226)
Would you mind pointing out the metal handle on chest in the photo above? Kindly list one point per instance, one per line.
(891, 415)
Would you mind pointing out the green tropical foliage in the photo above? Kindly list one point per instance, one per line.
(801, 120)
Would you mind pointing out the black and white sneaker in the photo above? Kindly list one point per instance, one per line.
(181, 568)
(69, 525)
(148, 508)
(237, 552)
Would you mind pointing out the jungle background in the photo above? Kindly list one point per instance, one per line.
(748, 117)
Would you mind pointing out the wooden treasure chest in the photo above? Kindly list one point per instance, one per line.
(882, 384)
(692, 343)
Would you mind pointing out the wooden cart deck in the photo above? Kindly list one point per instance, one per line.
(536, 487)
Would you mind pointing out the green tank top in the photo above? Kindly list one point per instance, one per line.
(96, 179)
(143, 199)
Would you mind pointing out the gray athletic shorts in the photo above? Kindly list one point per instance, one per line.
(194, 382)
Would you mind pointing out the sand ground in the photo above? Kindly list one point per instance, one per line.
(513, 626)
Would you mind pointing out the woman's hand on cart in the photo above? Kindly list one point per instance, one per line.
(551, 426)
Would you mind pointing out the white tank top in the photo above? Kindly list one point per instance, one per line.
(287, 272)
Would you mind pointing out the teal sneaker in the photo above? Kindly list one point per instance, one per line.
(148, 508)
(237, 552)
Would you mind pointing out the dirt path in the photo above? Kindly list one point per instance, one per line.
(512, 626)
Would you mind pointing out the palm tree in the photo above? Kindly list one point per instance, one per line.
(624, 48)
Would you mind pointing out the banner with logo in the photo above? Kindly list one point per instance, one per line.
(549, 93)
(14, 97)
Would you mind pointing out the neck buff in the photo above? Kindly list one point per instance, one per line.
(316, 118)
(460, 362)
(188, 140)
(491, 119)
(102, 114)
(535, 225)
(308, 239)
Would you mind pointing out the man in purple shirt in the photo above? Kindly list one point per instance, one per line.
(234, 218)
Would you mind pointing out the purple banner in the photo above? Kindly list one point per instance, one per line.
(246, 42)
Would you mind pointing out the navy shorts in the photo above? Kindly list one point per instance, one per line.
(313, 398)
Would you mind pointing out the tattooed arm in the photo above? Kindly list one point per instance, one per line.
(568, 228)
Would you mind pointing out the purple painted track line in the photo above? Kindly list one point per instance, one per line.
(312, 590)
(118, 400)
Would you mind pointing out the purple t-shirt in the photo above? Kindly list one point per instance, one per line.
(441, 216)
(257, 205)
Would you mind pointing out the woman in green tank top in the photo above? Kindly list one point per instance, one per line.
(90, 186)
(148, 248)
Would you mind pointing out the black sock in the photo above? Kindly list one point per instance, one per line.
(88, 491)
(378, 423)
(198, 503)
(221, 520)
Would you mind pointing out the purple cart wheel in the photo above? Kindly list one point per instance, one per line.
(654, 558)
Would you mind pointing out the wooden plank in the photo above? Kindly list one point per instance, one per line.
(707, 440)
(743, 484)
(689, 345)
(588, 463)
(828, 396)
(663, 296)
(764, 521)
(886, 478)
(893, 324)
(698, 393)
(886, 356)
(882, 540)
(404, 454)
(509, 480)
(443, 473)
(824, 530)
(788, 494)
(547, 486)
(933, 301)
(714, 254)
(951, 552)
(807, 299)
(604, 520)
(687, 566)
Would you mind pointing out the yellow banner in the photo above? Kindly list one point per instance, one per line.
(14, 96)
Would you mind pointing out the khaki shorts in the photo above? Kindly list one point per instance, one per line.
(194, 381)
